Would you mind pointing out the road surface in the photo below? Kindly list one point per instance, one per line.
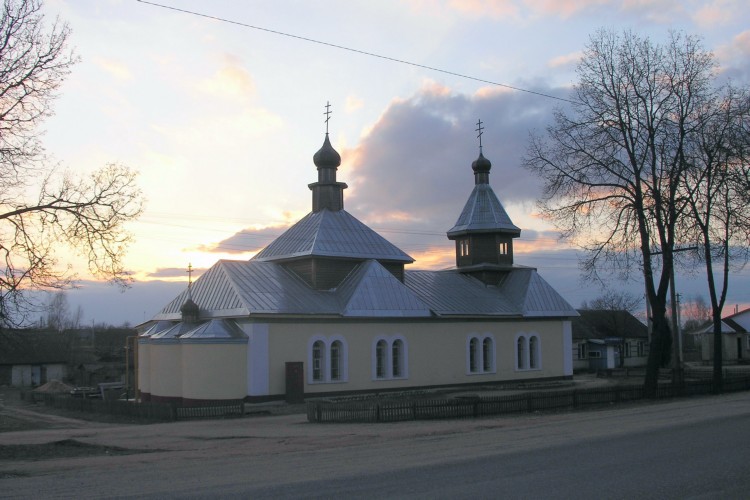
(691, 448)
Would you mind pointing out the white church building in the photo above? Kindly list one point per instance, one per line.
(328, 308)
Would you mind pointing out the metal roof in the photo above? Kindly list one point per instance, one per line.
(215, 329)
(331, 233)
(483, 212)
(373, 291)
(249, 288)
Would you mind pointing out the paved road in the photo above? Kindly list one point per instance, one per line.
(694, 448)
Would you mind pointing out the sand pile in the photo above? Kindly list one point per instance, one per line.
(54, 386)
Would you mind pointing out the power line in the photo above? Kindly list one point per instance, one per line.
(351, 49)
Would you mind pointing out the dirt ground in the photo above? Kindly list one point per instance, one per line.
(18, 415)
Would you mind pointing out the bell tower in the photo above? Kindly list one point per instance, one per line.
(483, 232)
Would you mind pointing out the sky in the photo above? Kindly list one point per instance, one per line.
(222, 120)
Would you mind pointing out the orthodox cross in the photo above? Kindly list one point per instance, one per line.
(328, 114)
(190, 274)
(480, 131)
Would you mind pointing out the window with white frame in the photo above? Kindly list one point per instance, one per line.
(390, 358)
(327, 360)
(641, 348)
(528, 352)
(480, 354)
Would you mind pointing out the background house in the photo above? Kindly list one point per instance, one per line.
(606, 339)
(735, 330)
(29, 358)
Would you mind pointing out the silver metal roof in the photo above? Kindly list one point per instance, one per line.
(330, 233)
(373, 291)
(483, 212)
(249, 288)
(215, 329)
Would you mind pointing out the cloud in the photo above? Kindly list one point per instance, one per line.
(232, 81)
(250, 240)
(565, 60)
(353, 103)
(114, 68)
(175, 272)
(716, 13)
(734, 58)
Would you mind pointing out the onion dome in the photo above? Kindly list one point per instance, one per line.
(481, 164)
(327, 156)
(190, 310)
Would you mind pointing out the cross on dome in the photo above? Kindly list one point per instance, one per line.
(480, 131)
(328, 114)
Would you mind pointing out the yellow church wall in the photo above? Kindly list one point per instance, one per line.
(436, 350)
(165, 360)
(144, 367)
(214, 371)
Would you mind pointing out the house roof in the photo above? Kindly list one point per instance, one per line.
(607, 324)
(728, 325)
(252, 288)
(331, 233)
(23, 347)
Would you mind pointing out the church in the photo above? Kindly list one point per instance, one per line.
(329, 308)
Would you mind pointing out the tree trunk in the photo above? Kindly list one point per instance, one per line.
(718, 365)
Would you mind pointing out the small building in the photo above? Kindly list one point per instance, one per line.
(735, 344)
(29, 358)
(329, 308)
(606, 339)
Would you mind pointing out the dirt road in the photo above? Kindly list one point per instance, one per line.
(211, 458)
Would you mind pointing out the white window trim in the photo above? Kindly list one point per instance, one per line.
(344, 358)
(527, 354)
(480, 354)
(389, 340)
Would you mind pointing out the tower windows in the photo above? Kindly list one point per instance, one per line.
(463, 247)
(502, 248)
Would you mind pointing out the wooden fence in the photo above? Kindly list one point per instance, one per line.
(164, 412)
(384, 409)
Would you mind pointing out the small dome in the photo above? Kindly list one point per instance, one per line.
(481, 164)
(327, 156)
(190, 309)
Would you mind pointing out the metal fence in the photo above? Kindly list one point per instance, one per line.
(144, 411)
(383, 409)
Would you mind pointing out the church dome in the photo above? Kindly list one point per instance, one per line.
(481, 164)
(190, 309)
(327, 156)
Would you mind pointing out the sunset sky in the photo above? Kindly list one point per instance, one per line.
(222, 119)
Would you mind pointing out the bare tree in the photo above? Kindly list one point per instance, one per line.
(695, 312)
(716, 191)
(85, 214)
(613, 166)
(614, 300)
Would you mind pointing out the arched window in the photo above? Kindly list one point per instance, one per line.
(397, 350)
(528, 352)
(390, 358)
(533, 352)
(336, 360)
(327, 358)
(380, 359)
(488, 353)
(317, 360)
(474, 355)
(521, 353)
(480, 354)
